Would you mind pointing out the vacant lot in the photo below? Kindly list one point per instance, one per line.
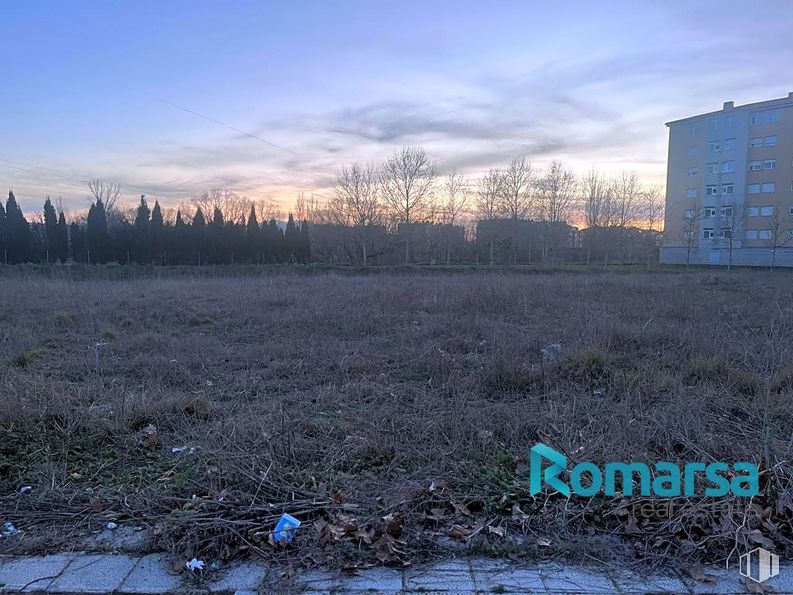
(392, 413)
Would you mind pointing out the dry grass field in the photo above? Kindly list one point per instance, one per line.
(393, 413)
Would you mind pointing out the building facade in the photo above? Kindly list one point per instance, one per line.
(729, 186)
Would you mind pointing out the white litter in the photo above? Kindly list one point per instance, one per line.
(25, 490)
(9, 530)
(111, 526)
(551, 352)
(180, 449)
(194, 565)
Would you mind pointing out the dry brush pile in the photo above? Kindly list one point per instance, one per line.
(393, 414)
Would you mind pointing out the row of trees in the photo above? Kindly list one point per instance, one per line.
(406, 190)
(145, 236)
(513, 213)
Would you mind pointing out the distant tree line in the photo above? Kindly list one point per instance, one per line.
(401, 211)
(147, 238)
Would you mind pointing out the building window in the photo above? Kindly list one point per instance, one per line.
(766, 211)
(768, 187)
(692, 171)
(756, 142)
(707, 233)
(726, 232)
(693, 151)
(693, 129)
(711, 190)
(769, 164)
(709, 212)
(712, 168)
(729, 144)
(755, 165)
(713, 145)
(728, 188)
(753, 189)
(771, 141)
(765, 118)
(765, 234)
(691, 193)
(790, 210)
(752, 211)
(728, 167)
(713, 123)
(729, 121)
(726, 211)
(751, 234)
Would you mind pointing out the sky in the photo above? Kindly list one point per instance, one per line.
(268, 99)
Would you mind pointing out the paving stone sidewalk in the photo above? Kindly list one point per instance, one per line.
(91, 573)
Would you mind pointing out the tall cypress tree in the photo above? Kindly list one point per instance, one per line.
(304, 241)
(142, 231)
(50, 230)
(253, 236)
(275, 241)
(180, 244)
(78, 243)
(215, 237)
(198, 231)
(291, 241)
(17, 232)
(96, 232)
(62, 239)
(156, 233)
(3, 253)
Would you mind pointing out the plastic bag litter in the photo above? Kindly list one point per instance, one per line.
(285, 528)
(9, 530)
(194, 565)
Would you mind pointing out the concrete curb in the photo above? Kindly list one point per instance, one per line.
(92, 573)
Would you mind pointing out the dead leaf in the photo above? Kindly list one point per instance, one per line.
(95, 504)
(338, 498)
(437, 514)
(393, 524)
(461, 508)
(757, 588)
(458, 532)
(500, 531)
(542, 542)
(697, 572)
(757, 537)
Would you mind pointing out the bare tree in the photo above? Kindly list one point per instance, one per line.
(732, 222)
(356, 202)
(457, 193)
(305, 207)
(690, 229)
(779, 236)
(488, 201)
(457, 196)
(235, 208)
(107, 192)
(556, 190)
(652, 207)
(266, 210)
(595, 195)
(516, 189)
(625, 203)
(407, 181)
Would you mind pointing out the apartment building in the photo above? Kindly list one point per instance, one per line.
(729, 186)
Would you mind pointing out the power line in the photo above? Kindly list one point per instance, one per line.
(213, 120)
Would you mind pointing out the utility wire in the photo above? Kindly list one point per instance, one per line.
(214, 121)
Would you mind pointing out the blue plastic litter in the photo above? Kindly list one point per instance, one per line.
(285, 528)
